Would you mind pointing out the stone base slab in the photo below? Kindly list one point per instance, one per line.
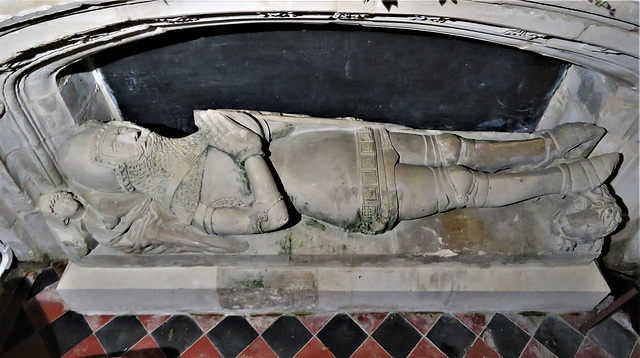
(425, 288)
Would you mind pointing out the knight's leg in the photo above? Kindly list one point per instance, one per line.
(571, 140)
(423, 191)
(449, 149)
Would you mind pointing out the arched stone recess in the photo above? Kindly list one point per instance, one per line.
(37, 43)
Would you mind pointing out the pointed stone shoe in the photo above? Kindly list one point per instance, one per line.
(587, 174)
(571, 140)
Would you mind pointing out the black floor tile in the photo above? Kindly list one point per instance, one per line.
(558, 336)
(176, 335)
(624, 340)
(232, 336)
(342, 335)
(505, 336)
(119, 335)
(46, 278)
(397, 336)
(21, 329)
(451, 336)
(65, 333)
(286, 336)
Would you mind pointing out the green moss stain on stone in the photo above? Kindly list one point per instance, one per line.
(315, 224)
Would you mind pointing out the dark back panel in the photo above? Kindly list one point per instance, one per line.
(411, 78)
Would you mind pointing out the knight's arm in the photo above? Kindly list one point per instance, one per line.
(268, 212)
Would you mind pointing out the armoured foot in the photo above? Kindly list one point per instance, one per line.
(587, 174)
(571, 140)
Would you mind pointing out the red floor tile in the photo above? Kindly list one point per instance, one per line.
(32, 347)
(261, 323)
(479, 349)
(474, 321)
(146, 348)
(426, 349)
(588, 349)
(45, 307)
(535, 349)
(314, 323)
(207, 322)
(369, 321)
(422, 321)
(98, 321)
(151, 322)
(258, 348)
(574, 319)
(203, 348)
(314, 349)
(370, 349)
(90, 347)
(636, 351)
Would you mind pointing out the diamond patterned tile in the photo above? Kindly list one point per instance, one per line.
(575, 320)
(45, 307)
(65, 333)
(314, 349)
(59, 267)
(342, 335)
(529, 322)
(177, 334)
(32, 347)
(558, 336)
(119, 335)
(207, 322)
(619, 347)
(232, 336)
(474, 321)
(258, 348)
(203, 348)
(505, 336)
(636, 351)
(370, 349)
(90, 347)
(261, 323)
(45, 279)
(146, 348)
(314, 322)
(286, 336)
(98, 321)
(397, 336)
(449, 326)
(588, 349)
(22, 328)
(426, 349)
(479, 349)
(151, 322)
(422, 321)
(369, 321)
(535, 349)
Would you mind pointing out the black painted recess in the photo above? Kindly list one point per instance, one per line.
(413, 78)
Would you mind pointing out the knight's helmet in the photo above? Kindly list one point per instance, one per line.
(82, 160)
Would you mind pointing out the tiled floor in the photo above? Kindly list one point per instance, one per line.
(46, 328)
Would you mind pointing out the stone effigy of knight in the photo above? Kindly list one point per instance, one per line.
(249, 172)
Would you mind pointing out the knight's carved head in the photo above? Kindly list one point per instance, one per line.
(95, 155)
(119, 141)
(587, 217)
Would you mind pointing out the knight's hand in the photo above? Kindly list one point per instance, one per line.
(229, 136)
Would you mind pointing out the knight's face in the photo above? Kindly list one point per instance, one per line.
(123, 142)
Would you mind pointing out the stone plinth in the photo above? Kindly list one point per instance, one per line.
(277, 289)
